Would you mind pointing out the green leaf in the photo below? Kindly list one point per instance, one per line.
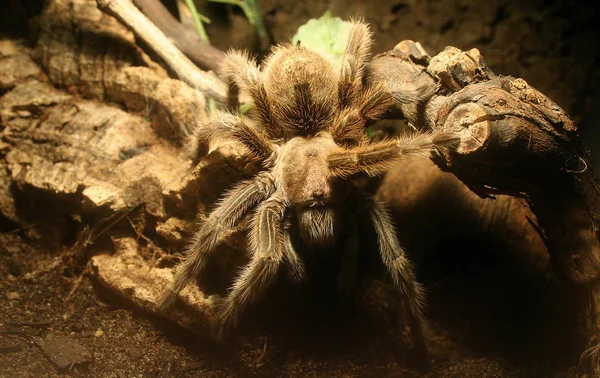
(326, 34)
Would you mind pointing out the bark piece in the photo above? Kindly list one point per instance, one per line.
(8, 48)
(8, 208)
(81, 47)
(131, 277)
(407, 81)
(173, 229)
(456, 68)
(15, 66)
(93, 157)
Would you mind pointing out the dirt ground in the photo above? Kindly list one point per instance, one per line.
(493, 313)
(491, 317)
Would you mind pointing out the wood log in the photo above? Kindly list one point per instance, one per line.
(515, 141)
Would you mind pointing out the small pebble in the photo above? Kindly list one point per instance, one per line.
(12, 295)
(11, 277)
(99, 333)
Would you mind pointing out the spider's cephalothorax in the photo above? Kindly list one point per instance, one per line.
(308, 131)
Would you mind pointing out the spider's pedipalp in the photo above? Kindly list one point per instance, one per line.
(232, 208)
(292, 258)
(242, 70)
(267, 252)
(401, 270)
(374, 159)
(224, 125)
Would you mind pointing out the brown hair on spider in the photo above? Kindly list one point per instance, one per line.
(308, 131)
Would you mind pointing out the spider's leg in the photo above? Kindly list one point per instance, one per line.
(353, 62)
(374, 159)
(403, 276)
(267, 252)
(223, 125)
(348, 127)
(231, 209)
(360, 39)
(242, 70)
(347, 276)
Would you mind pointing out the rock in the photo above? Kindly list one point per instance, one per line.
(64, 351)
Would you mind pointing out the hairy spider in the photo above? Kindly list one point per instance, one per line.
(308, 132)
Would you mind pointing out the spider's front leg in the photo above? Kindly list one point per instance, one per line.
(401, 270)
(232, 208)
(374, 159)
(224, 125)
(267, 252)
(239, 69)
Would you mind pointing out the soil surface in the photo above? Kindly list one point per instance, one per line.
(492, 316)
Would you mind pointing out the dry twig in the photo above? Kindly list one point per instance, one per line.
(203, 54)
(187, 71)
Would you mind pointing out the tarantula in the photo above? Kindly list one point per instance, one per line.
(308, 132)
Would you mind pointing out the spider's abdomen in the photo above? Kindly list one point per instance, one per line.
(302, 87)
